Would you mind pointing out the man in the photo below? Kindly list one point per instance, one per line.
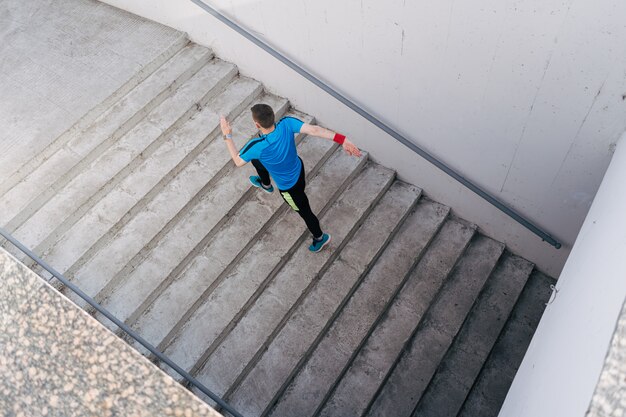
(273, 153)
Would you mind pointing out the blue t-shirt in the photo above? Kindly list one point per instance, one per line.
(277, 152)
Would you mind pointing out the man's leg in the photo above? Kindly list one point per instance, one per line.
(298, 201)
(264, 175)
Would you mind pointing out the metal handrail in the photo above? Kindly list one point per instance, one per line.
(224, 405)
(381, 125)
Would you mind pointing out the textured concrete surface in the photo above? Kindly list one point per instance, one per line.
(464, 360)
(229, 360)
(609, 399)
(189, 148)
(198, 187)
(266, 251)
(493, 382)
(223, 249)
(410, 378)
(141, 185)
(55, 169)
(161, 261)
(108, 167)
(379, 354)
(216, 240)
(79, 53)
(315, 314)
(308, 389)
(213, 230)
(191, 61)
(58, 361)
(157, 315)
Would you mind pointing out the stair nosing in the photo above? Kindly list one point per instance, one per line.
(454, 338)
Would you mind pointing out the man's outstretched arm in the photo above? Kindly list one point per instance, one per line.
(227, 132)
(313, 130)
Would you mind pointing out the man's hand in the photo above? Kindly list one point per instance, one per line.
(226, 129)
(351, 148)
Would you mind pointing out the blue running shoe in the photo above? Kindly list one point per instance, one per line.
(256, 181)
(317, 245)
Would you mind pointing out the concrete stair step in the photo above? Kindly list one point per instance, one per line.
(189, 245)
(174, 303)
(246, 341)
(97, 177)
(145, 181)
(242, 281)
(120, 252)
(412, 373)
(463, 361)
(315, 314)
(381, 350)
(30, 188)
(331, 358)
(496, 376)
(14, 175)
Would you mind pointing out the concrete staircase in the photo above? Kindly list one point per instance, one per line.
(409, 312)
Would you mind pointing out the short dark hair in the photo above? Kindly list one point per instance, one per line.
(263, 115)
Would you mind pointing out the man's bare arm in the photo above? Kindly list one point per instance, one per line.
(227, 132)
(321, 132)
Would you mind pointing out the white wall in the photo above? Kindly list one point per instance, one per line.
(522, 97)
(563, 363)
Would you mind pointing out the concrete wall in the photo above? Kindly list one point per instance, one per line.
(565, 358)
(522, 97)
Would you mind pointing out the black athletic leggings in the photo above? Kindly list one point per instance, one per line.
(295, 197)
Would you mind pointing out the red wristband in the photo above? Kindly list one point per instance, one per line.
(339, 138)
